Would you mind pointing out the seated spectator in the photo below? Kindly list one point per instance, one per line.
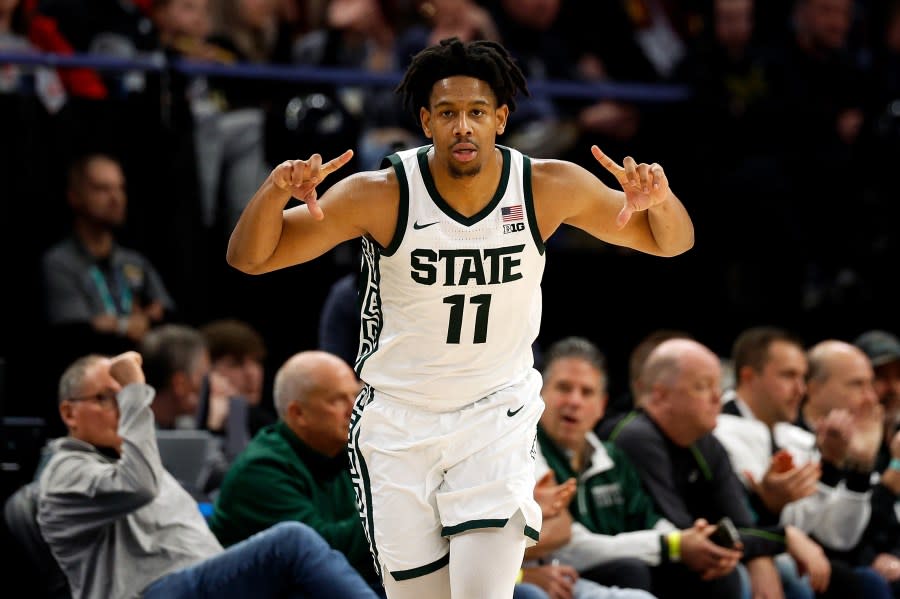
(92, 284)
(120, 526)
(177, 365)
(843, 413)
(625, 402)
(176, 360)
(540, 570)
(237, 353)
(883, 350)
(756, 428)
(687, 472)
(880, 545)
(616, 528)
(789, 479)
(302, 462)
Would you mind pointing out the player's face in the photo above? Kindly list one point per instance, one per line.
(463, 120)
(782, 382)
(574, 398)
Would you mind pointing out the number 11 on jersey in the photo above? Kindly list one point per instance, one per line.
(457, 305)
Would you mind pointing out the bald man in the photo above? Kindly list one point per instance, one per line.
(688, 473)
(297, 469)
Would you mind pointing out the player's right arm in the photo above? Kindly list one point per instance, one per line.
(267, 237)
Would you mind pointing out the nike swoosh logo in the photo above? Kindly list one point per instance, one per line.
(417, 226)
(512, 413)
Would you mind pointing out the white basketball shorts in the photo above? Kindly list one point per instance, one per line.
(423, 476)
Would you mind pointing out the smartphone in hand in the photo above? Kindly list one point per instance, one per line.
(726, 534)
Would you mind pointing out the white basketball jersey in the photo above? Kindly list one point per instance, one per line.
(451, 307)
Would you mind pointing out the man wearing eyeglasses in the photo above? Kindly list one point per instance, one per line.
(121, 526)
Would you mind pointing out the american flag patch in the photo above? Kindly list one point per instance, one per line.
(511, 213)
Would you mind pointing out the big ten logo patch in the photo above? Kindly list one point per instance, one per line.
(513, 227)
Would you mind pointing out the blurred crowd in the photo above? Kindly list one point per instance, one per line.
(120, 189)
(782, 152)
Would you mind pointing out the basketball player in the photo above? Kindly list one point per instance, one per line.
(453, 236)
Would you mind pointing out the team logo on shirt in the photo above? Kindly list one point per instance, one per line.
(460, 267)
(608, 495)
(512, 217)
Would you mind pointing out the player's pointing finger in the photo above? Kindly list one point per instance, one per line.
(607, 162)
(336, 163)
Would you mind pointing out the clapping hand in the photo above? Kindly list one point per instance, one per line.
(552, 497)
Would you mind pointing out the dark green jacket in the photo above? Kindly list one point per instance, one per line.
(610, 498)
(279, 478)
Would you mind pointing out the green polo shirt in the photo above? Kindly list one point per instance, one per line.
(279, 478)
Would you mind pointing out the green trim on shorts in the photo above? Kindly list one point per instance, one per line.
(421, 570)
(449, 531)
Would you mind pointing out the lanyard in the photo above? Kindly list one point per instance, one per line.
(109, 302)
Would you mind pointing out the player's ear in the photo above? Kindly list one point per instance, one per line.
(502, 117)
(425, 119)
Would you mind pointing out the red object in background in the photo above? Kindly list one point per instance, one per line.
(782, 461)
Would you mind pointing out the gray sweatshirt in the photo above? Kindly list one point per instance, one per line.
(115, 526)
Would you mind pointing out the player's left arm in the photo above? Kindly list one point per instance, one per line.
(645, 215)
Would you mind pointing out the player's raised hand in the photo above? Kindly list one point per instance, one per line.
(301, 177)
(645, 185)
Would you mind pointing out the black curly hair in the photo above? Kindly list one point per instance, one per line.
(484, 60)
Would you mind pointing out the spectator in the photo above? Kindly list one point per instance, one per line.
(756, 425)
(883, 351)
(558, 580)
(99, 296)
(625, 402)
(880, 546)
(842, 411)
(806, 489)
(617, 529)
(302, 462)
(821, 93)
(92, 280)
(176, 360)
(237, 353)
(231, 133)
(731, 117)
(120, 526)
(687, 471)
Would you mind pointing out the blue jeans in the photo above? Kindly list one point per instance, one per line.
(289, 560)
(872, 584)
(526, 590)
(794, 585)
